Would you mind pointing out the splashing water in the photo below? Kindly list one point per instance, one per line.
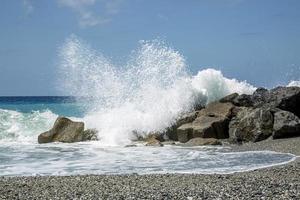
(294, 83)
(145, 95)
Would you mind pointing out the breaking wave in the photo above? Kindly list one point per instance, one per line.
(146, 94)
(24, 127)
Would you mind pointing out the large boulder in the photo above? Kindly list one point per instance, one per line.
(211, 122)
(202, 141)
(286, 124)
(66, 130)
(286, 98)
(185, 132)
(251, 124)
(186, 118)
(244, 100)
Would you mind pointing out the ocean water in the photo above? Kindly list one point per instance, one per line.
(147, 93)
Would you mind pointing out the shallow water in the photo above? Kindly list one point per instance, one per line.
(90, 158)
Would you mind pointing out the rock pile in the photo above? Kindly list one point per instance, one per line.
(244, 118)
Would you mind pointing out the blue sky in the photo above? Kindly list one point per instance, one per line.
(253, 40)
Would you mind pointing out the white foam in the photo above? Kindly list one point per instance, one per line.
(24, 127)
(146, 94)
(294, 83)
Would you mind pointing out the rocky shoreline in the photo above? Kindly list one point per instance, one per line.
(268, 120)
(237, 118)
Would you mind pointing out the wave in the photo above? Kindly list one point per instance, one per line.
(146, 94)
(24, 127)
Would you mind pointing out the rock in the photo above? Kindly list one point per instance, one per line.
(211, 126)
(130, 145)
(217, 109)
(185, 132)
(156, 136)
(286, 98)
(251, 125)
(89, 135)
(170, 142)
(229, 98)
(66, 130)
(286, 124)
(202, 141)
(154, 143)
(260, 97)
(211, 122)
(186, 118)
(238, 100)
(243, 100)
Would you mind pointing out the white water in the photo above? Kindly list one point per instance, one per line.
(24, 127)
(146, 94)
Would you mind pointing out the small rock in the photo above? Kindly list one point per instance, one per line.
(202, 141)
(154, 143)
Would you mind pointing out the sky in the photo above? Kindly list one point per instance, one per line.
(253, 40)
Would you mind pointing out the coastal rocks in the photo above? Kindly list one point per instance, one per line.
(185, 132)
(251, 125)
(154, 143)
(68, 131)
(211, 122)
(286, 98)
(286, 124)
(202, 141)
(187, 118)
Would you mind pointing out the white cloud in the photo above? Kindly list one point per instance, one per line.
(88, 16)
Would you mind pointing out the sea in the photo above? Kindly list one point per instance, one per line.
(146, 94)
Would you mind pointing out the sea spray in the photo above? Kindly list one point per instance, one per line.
(146, 94)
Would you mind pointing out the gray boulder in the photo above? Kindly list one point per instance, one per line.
(286, 124)
(229, 98)
(186, 118)
(286, 98)
(244, 100)
(185, 132)
(66, 130)
(211, 122)
(251, 125)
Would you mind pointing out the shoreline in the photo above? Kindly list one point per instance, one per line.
(275, 182)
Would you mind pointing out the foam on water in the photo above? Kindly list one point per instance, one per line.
(146, 94)
(24, 127)
(89, 158)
